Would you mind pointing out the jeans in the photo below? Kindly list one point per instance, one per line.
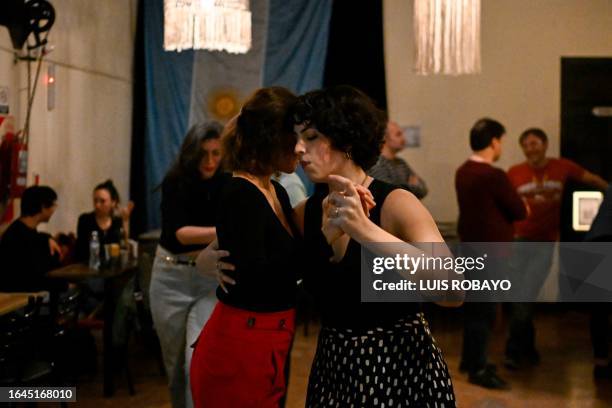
(531, 264)
(181, 302)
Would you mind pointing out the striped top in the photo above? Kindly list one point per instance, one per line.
(397, 171)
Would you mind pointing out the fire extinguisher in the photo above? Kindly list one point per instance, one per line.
(7, 139)
(19, 167)
(13, 168)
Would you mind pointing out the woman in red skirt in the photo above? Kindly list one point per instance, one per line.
(239, 358)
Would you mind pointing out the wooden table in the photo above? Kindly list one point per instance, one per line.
(10, 302)
(79, 272)
(115, 278)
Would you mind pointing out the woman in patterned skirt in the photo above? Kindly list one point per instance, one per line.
(368, 354)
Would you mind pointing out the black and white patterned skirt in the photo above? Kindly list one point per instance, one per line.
(398, 366)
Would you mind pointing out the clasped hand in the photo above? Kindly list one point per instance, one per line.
(346, 208)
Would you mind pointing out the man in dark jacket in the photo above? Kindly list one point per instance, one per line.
(26, 255)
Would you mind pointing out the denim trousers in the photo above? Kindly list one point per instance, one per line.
(182, 300)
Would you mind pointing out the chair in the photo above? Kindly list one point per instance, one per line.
(27, 355)
(71, 318)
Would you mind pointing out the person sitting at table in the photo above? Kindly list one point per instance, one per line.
(109, 220)
(26, 255)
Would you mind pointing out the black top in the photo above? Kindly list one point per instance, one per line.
(337, 286)
(25, 259)
(265, 255)
(188, 203)
(86, 225)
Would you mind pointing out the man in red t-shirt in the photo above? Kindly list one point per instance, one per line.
(539, 181)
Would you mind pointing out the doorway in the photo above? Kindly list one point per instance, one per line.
(586, 126)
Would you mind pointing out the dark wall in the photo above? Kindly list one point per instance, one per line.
(585, 137)
(138, 194)
(355, 52)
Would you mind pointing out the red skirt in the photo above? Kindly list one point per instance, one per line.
(239, 358)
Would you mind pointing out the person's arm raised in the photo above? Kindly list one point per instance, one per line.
(404, 220)
(594, 180)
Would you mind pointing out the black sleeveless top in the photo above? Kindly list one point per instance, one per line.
(336, 286)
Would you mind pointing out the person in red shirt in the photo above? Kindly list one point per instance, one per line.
(539, 181)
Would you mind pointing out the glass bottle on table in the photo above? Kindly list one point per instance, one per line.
(94, 251)
(124, 247)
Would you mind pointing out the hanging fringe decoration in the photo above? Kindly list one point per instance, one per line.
(214, 25)
(447, 36)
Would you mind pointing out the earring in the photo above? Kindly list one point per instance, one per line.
(348, 156)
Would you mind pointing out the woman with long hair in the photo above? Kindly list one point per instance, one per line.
(181, 299)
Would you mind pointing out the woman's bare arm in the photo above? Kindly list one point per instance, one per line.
(192, 235)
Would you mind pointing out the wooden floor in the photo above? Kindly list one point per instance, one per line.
(563, 379)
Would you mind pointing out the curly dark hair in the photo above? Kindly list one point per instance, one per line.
(262, 133)
(348, 117)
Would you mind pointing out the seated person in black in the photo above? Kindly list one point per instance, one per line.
(26, 255)
(107, 219)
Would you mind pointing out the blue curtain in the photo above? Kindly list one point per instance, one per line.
(289, 49)
(240, 75)
(168, 88)
(296, 48)
(297, 44)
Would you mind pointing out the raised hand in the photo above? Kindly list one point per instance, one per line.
(343, 196)
(347, 208)
(367, 199)
(55, 249)
(331, 231)
(126, 211)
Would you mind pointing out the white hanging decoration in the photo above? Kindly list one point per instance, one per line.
(447, 36)
(216, 25)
